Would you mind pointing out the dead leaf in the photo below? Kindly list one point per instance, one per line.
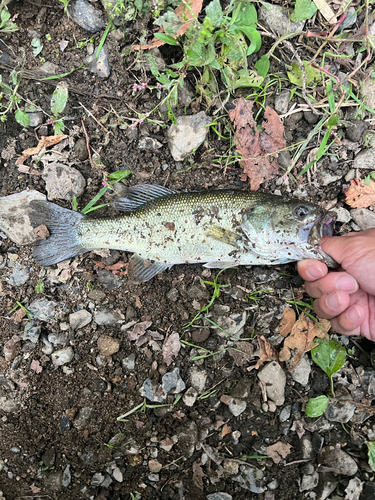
(115, 267)
(278, 451)
(198, 475)
(35, 489)
(359, 195)
(139, 330)
(179, 415)
(299, 427)
(17, 316)
(44, 142)
(171, 347)
(225, 430)
(184, 14)
(257, 147)
(141, 336)
(326, 11)
(212, 454)
(35, 366)
(287, 321)
(243, 353)
(138, 302)
(42, 232)
(267, 352)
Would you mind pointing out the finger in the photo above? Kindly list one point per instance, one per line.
(349, 322)
(335, 246)
(332, 304)
(311, 270)
(331, 282)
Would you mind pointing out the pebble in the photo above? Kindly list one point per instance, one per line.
(129, 362)
(79, 319)
(83, 416)
(63, 182)
(15, 449)
(250, 479)
(154, 477)
(356, 130)
(154, 466)
(343, 215)
(57, 339)
(341, 462)
(12, 347)
(363, 217)
(198, 379)
(19, 276)
(171, 383)
(309, 481)
(147, 63)
(274, 378)
(310, 117)
(64, 424)
(113, 257)
(106, 318)
(350, 175)
(200, 335)
(62, 356)
(67, 478)
(36, 119)
(43, 309)
(236, 407)
(7, 384)
(97, 479)
(365, 159)
(109, 280)
(282, 101)
(108, 345)
(96, 295)
(14, 218)
(187, 134)
(285, 413)
(350, 19)
(302, 373)
(233, 325)
(86, 16)
(47, 348)
(80, 149)
(117, 475)
(149, 143)
(368, 93)
(190, 396)
(339, 411)
(326, 178)
(100, 65)
(219, 496)
(277, 19)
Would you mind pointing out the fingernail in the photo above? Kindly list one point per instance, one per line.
(346, 283)
(333, 300)
(354, 314)
(315, 272)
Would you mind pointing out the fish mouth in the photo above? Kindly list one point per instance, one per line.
(323, 226)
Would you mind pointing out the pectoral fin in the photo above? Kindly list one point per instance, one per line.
(141, 270)
(224, 235)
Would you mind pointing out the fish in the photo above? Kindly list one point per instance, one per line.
(162, 227)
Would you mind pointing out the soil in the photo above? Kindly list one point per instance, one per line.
(35, 447)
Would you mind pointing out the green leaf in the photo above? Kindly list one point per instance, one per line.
(170, 22)
(316, 406)
(59, 98)
(304, 9)
(59, 127)
(242, 78)
(262, 66)
(5, 16)
(215, 13)
(37, 46)
(371, 454)
(119, 175)
(312, 75)
(166, 38)
(254, 37)
(39, 287)
(245, 15)
(330, 356)
(22, 118)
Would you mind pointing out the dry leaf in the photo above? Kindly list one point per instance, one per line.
(42, 232)
(138, 302)
(44, 142)
(226, 399)
(326, 11)
(256, 147)
(171, 347)
(139, 330)
(184, 14)
(225, 430)
(359, 195)
(244, 356)
(198, 475)
(267, 352)
(287, 321)
(114, 267)
(212, 454)
(35, 366)
(278, 451)
(17, 316)
(299, 427)
(35, 489)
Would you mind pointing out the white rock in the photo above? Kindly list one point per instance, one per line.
(274, 378)
(343, 215)
(198, 379)
(363, 217)
(62, 356)
(188, 134)
(117, 474)
(79, 319)
(14, 218)
(190, 396)
(302, 373)
(368, 92)
(365, 159)
(63, 182)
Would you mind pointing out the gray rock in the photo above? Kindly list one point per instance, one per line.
(14, 218)
(64, 424)
(32, 333)
(188, 134)
(310, 117)
(97, 479)
(326, 178)
(36, 119)
(63, 182)
(307, 448)
(43, 309)
(107, 481)
(350, 19)
(79, 319)
(129, 362)
(49, 457)
(62, 356)
(149, 59)
(117, 475)
(198, 379)
(7, 384)
(219, 496)
(356, 130)
(147, 391)
(363, 217)
(343, 215)
(250, 479)
(19, 276)
(86, 16)
(339, 411)
(309, 481)
(350, 175)
(285, 413)
(57, 339)
(100, 65)
(109, 280)
(302, 373)
(365, 159)
(149, 143)
(171, 383)
(338, 460)
(232, 325)
(190, 396)
(282, 102)
(236, 407)
(274, 378)
(82, 418)
(106, 317)
(47, 348)
(278, 20)
(67, 478)
(368, 92)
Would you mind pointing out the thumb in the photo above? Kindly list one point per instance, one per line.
(335, 246)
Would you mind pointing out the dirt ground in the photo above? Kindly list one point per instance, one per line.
(64, 419)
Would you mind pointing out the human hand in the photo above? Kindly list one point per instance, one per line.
(347, 294)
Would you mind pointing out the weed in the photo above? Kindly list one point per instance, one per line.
(143, 407)
(13, 100)
(6, 21)
(66, 4)
(58, 103)
(28, 313)
(254, 295)
(39, 287)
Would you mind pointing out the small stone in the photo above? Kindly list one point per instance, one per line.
(83, 416)
(154, 477)
(277, 18)
(232, 325)
(66, 479)
(12, 347)
(219, 496)
(147, 63)
(63, 182)
(282, 102)
(106, 318)
(339, 411)
(64, 424)
(108, 345)
(251, 479)
(43, 309)
(198, 379)
(310, 117)
(86, 16)
(15, 449)
(326, 178)
(236, 407)
(96, 295)
(350, 175)
(117, 475)
(80, 149)
(172, 382)
(338, 460)
(172, 295)
(190, 396)
(32, 333)
(200, 335)
(356, 130)
(274, 378)
(47, 348)
(368, 92)
(113, 257)
(187, 134)
(7, 384)
(309, 482)
(63, 356)
(57, 339)
(109, 280)
(285, 413)
(19, 276)
(99, 65)
(350, 19)
(363, 217)
(301, 373)
(129, 362)
(343, 215)
(97, 480)
(49, 457)
(154, 466)
(365, 159)
(36, 119)
(149, 143)
(79, 319)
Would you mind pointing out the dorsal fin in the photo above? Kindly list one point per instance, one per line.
(138, 195)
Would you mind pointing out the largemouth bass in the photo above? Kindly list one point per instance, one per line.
(162, 227)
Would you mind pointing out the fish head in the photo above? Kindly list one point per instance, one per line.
(288, 230)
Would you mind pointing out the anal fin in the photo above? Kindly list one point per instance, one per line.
(224, 235)
(141, 270)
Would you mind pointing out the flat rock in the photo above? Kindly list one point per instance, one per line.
(232, 325)
(62, 356)
(343, 215)
(340, 411)
(198, 379)
(309, 481)
(236, 407)
(67, 478)
(250, 479)
(365, 159)
(32, 333)
(19, 276)
(190, 396)
(129, 362)
(368, 92)
(282, 101)
(109, 280)
(356, 131)
(171, 383)
(187, 134)
(14, 216)
(86, 16)
(100, 65)
(363, 217)
(63, 182)
(278, 20)
(108, 345)
(43, 309)
(149, 143)
(97, 479)
(302, 373)
(79, 319)
(12, 347)
(274, 378)
(341, 462)
(83, 416)
(106, 317)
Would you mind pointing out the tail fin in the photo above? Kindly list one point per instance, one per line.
(64, 241)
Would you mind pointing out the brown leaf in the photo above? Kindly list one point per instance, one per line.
(298, 427)
(244, 356)
(139, 330)
(278, 451)
(212, 454)
(198, 475)
(35, 489)
(359, 195)
(184, 14)
(35, 366)
(42, 232)
(115, 267)
(138, 302)
(267, 351)
(44, 142)
(17, 316)
(171, 347)
(256, 147)
(287, 321)
(225, 430)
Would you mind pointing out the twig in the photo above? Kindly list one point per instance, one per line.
(88, 144)
(93, 117)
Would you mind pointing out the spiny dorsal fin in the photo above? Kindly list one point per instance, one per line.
(141, 270)
(138, 195)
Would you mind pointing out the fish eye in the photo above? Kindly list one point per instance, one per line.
(301, 211)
